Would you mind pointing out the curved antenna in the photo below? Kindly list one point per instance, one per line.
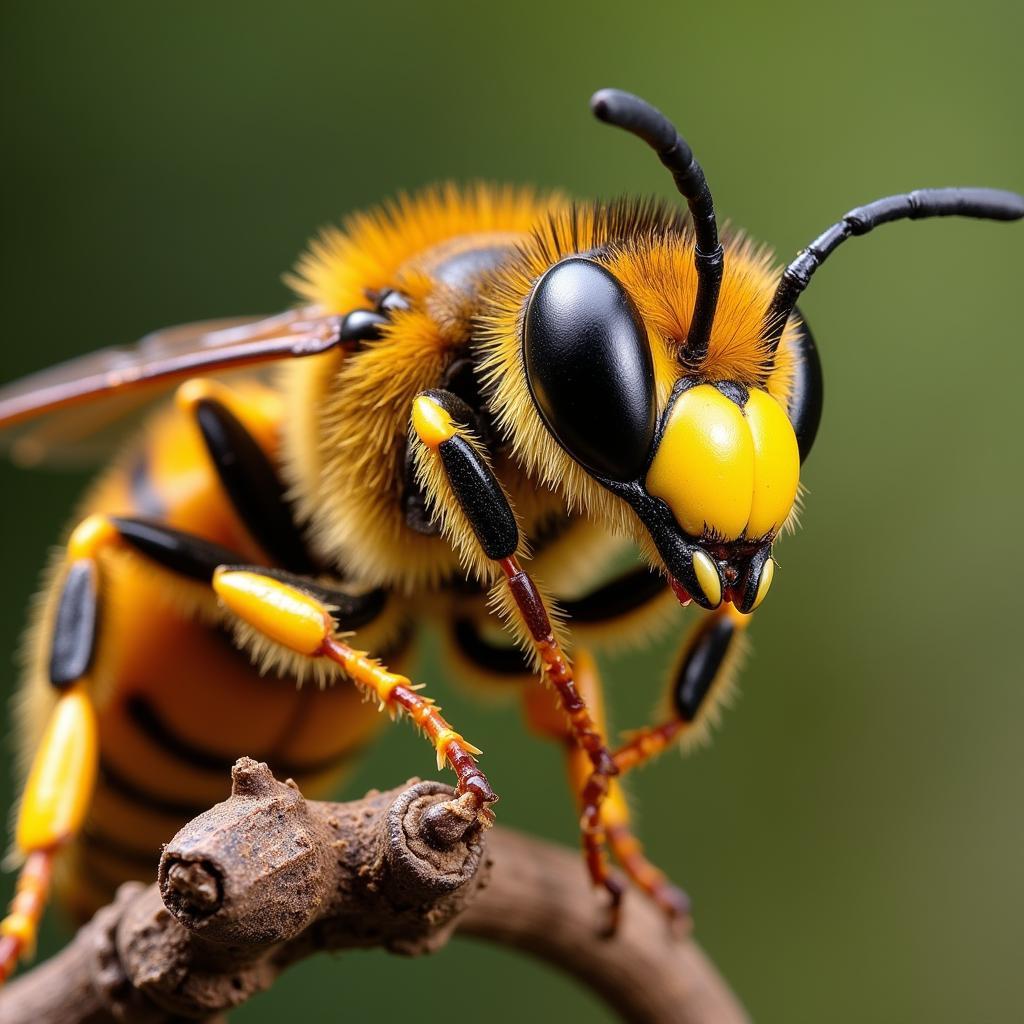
(624, 110)
(980, 203)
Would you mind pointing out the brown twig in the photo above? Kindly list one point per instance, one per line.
(267, 878)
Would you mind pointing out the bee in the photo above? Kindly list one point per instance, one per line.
(479, 389)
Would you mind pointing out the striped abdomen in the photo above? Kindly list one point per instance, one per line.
(176, 701)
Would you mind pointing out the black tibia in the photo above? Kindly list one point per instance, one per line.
(252, 484)
(979, 203)
(475, 486)
(349, 611)
(75, 627)
(74, 635)
(481, 498)
(494, 659)
(702, 663)
(198, 559)
(183, 553)
(617, 597)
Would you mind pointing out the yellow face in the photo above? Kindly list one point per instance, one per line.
(728, 469)
(727, 472)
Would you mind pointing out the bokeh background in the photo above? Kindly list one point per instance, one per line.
(853, 840)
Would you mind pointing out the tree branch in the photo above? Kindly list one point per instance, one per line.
(267, 878)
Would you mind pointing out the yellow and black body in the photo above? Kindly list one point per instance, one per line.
(481, 389)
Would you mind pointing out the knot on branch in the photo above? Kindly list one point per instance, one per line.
(265, 878)
(252, 870)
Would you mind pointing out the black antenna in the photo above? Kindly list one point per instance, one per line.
(635, 115)
(981, 203)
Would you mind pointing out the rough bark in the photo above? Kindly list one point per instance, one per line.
(267, 878)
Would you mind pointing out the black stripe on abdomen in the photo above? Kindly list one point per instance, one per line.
(145, 717)
(97, 871)
(106, 845)
(138, 794)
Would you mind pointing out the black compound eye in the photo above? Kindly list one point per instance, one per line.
(590, 369)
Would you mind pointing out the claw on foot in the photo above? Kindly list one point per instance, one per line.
(449, 823)
(676, 906)
(613, 912)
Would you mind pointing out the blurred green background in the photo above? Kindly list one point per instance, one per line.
(853, 841)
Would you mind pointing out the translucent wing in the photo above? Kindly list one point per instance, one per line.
(72, 412)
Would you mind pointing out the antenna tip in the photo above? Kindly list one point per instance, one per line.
(606, 103)
(599, 103)
(624, 110)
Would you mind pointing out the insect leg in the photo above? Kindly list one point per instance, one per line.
(632, 601)
(700, 684)
(546, 719)
(60, 781)
(52, 808)
(479, 519)
(284, 611)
